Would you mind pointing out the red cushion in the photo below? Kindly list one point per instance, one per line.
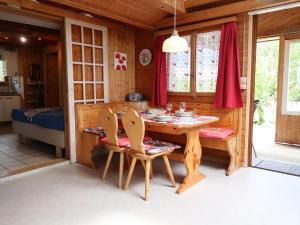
(215, 132)
(123, 140)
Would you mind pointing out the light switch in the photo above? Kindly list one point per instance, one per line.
(243, 82)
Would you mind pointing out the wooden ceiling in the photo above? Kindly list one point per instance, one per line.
(147, 14)
(140, 13)
(10, 33)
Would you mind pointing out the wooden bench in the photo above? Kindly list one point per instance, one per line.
(229, 118)
(87, 116)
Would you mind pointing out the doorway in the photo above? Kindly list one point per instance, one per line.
(30, 90)
(276, 121)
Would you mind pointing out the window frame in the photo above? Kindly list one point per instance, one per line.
(193, 93)
(285, 81)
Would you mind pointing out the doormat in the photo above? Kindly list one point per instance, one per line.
(291, 169)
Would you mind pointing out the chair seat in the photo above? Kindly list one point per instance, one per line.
(215, 132)
(100, 131)
(123, 140)
(156, 146)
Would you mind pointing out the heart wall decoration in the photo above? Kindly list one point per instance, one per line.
(120, 61)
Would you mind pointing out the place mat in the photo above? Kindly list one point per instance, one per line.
(196, 119)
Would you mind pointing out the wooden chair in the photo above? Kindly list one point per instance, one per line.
(109, 123)
(145, 151)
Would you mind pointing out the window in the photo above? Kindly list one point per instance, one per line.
(2, 68)
(178, 69)
(200, 61)
(291, 78)
(207, 60)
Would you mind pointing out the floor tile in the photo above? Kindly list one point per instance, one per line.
(15, 155)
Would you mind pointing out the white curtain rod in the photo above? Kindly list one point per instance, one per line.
(275, 8)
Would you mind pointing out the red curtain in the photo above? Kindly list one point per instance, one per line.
(159, 88)
(228, 93)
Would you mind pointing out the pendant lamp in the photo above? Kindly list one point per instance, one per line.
(175, 43)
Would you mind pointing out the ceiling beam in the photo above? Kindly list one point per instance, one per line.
(95, 9)
(194, 3)
(222, 11)
(168, 6)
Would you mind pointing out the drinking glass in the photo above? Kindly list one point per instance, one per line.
(182, 107)
(169, 108)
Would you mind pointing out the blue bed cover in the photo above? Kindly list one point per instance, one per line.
(52, 119)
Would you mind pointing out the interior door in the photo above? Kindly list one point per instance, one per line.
(87, 68)
(288, 102)
(52, 80)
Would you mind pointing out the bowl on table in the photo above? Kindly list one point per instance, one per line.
(184, 114)
(157, 112)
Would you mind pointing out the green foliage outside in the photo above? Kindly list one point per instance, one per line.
(266, 75)
(294, 73)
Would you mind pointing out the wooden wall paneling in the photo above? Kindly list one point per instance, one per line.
(51, 76)
(144, 74)
(27, 56)
(121, 82)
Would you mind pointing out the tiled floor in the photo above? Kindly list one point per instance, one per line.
(14, 155)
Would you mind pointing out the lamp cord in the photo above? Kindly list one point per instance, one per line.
(175, 15)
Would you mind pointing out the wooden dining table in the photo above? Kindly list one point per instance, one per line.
(193, 151)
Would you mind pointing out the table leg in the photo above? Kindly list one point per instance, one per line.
(192, 157)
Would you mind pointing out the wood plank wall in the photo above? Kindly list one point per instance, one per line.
(27, 56)
(144, 76)
(121, 82)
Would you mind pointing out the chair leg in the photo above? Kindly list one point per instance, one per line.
(167, 163)
(107, 164)
(127, 159)
(133, 161)
(151, 171)
(121, 169)
(147, 179)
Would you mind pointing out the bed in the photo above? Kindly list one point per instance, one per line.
(45, 125)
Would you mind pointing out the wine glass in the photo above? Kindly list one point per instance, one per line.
(182, 107)
(169, 107)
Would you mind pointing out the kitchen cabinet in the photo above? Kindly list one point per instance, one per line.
(7, 104)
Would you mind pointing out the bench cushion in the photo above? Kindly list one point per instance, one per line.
(153, 146)
(156, 146)
(99, 131)
(215, 132)
(123, 140)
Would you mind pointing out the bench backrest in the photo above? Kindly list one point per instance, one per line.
(88, 115)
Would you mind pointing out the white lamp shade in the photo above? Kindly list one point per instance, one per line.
(175, 44)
